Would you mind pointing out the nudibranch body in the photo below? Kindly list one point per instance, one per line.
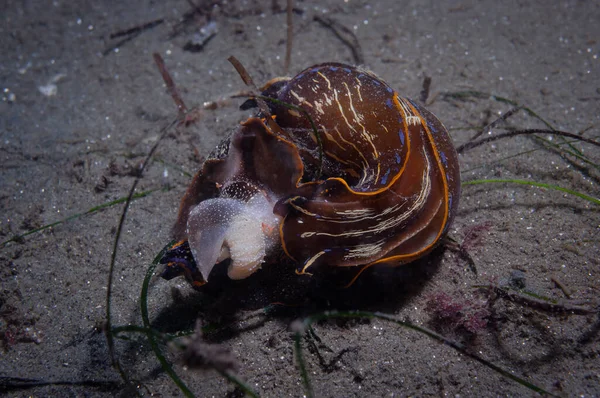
(377, 182)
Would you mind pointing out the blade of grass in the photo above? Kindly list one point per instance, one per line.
(78, 215)
(537, 301)
(306, 322)
(301, 364)
(509, 134)
(239, 383)
(166, 366)
(545, 143)
(174, 167)
(166, 337)
(591, 199)
(113, 258)
(463, 95)
(481, 95)
(11, 384)
(154, 336)
(558, 147)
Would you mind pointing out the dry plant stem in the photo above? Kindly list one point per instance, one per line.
(137, 29)
(592, 333)
(130, 34)
(493, 124)
(19, 238)
(474, 144)
(290, 35)
(151, 336)
(536, 303)
(194, 7)
(301, 326)
(312, 338)
(262, 105)
(345, 35)
(185, 116)
(567, 292)
(241, 70)
(171, 87)
(20, 383)
(533, 184)
(108, 325)
(425, 89)
(461, 251)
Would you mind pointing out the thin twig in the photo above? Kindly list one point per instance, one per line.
(537, 302)
(241, 70)
(493, 124)
(290, 35)
(130, 34)
(113, 259)
(171, 87)
(345, 35)
(583, 196)
(474, 144)
(94, 209)
(300, 326)
(20, 383)
(166, 366)
(425, 89)
(567, 292)
(137, 29)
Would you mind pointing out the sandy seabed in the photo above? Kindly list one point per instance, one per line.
(81, 110)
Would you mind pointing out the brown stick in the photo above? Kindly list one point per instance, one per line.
(473, 144)
(425, 89)
(130, 34)
(493, 124)
(345, 35)
(290, 35)
(562, 286)
(262, 105)
(171, 87)
(242, 72)
(557, 307)
(136, 29)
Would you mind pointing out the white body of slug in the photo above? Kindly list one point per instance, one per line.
(223, 228)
